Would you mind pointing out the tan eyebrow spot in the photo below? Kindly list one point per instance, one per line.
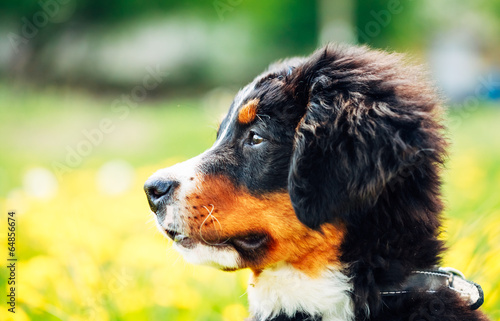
(248, 113)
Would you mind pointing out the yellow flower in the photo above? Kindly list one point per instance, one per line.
(467, 176)
(20, 315)
(234, 312)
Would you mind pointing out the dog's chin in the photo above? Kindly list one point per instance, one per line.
(222, 257)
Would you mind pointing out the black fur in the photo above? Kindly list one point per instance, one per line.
(369, 122)
(368, 148)
(368, 152)
(297, 317)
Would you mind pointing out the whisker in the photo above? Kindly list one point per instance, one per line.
(220, 226)
(213, 219)
(259, 116)
(203, 223)
(176, 260)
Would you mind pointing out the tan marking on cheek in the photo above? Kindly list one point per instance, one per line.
(235, 213)
(248, 112)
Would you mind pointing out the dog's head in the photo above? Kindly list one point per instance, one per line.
(306, 149)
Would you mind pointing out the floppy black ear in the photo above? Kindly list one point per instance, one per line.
(355, 136)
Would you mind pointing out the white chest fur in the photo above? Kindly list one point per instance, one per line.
(282, 289)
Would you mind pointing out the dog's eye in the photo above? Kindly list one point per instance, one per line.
(255, 139)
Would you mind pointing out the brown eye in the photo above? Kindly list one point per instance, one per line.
(255, 139)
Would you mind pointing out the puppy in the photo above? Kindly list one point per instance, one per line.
(324, 180)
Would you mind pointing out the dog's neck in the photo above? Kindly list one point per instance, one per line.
(282, 290)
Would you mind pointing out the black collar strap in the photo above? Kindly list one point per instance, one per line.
(431, 281)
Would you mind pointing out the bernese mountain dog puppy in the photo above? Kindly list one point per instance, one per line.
(324, 180)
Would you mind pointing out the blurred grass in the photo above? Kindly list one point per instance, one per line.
(85, 254)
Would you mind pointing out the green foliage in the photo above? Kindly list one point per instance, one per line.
(292, 24)
(404, 24)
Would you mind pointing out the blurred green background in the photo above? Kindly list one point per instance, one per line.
(95, 96)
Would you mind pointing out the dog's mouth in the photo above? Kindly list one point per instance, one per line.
(181, 239)
(249, 242)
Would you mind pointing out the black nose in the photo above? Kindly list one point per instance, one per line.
(159, 192)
